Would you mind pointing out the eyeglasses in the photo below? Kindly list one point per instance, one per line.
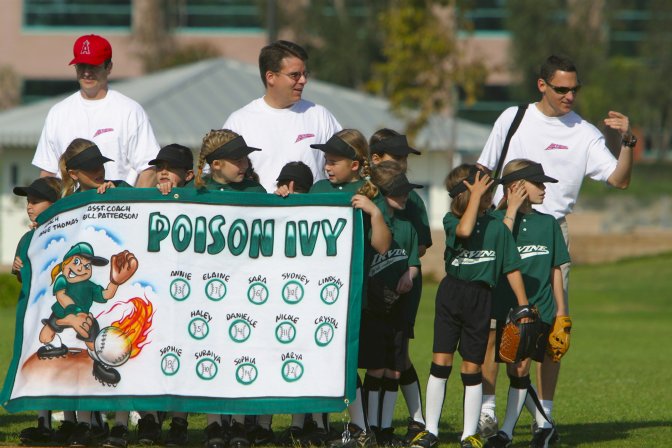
(564, 90)
(296, 76)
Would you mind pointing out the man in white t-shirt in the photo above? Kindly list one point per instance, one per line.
(281, 123)
(115, 123)
(570, 149)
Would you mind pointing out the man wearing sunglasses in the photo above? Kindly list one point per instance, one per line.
(118, 125)
(569, 148)
(281, 123)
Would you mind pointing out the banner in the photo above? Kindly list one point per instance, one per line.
(198, 301)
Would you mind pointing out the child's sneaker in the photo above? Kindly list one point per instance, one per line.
(63, 433)
(386, 438)
(37, 435)
(215, 437)
(290, 436)
(412, 430)
(544, 437)
(424, 440)
(499, 440)
(316, 437)
(81, 435)
(487, 425)
(474, 441)
(149, 431)
(238, 436)
(118, 437)
(178, 434)
(355, 437)
(261, 436)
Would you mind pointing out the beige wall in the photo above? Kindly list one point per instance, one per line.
(46, 54)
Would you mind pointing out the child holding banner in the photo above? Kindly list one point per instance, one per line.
(226, 153)
(40, 194)
(479, 248)
(389, 145)
(384, 330)
(347, 168)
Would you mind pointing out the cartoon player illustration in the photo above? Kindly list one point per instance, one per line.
(75, 293)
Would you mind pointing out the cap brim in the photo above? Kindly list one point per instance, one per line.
(173, 163)
(92, 164)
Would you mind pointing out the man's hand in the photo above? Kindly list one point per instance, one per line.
(618, 122)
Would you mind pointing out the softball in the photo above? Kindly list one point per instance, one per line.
(113, 347)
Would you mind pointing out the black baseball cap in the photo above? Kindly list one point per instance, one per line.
(40, 189)
(533, 173)
(471, 178)
(399, 186)
(177, 156)
(335, 145)
(396, 145)
(233, 149)
(298, 172)
(88, 159)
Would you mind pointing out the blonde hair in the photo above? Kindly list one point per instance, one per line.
(459, 203)
(75, 147)
(358, 143)
(385, 172)
(59, 268)
(212, 141)
(511, 167)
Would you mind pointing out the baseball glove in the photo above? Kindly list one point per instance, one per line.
(123, 266)
(558, 339)
(520, 340)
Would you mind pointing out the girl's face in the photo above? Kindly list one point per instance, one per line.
(229, 171)
(486, 200)
(35, 206)
(401, 160)
(88, 179)
(175, 176)
(536, 191)
(77, 270)
(397, 202)
(340, 169)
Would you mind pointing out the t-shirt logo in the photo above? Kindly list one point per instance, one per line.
(468, 257)
(532, 250)
(303, 137)
(554, 146)
(102, 131)
(85, 48)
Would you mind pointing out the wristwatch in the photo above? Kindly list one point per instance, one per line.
(629, 140)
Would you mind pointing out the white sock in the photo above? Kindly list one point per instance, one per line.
(318, 417)
(356, 410)
(413, 400)
(265, 421)
(389, 401)
(121, 418)
(84, 417)
(214, 418)
(488, 406)
(514, 404)
(548, 409)
(238, 418)
(473, 397)
(530, 406)
(69, 416)
(298, 420)
(436, 393)
(372, 409)
(46, 418)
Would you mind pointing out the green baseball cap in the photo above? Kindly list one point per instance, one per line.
(86, 250)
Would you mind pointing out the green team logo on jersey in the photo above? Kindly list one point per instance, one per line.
(198, 328)
(292, 292)
(206, 369)
(215, 290)
(170, 364)
(292, 370)
(329, 293)
(180, 289)
(246, 374)
(257, 293)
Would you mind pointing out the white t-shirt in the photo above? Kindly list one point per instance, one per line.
(568, 147)
(116, 124)
(283, 135)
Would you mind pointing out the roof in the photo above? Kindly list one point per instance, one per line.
(184, 103)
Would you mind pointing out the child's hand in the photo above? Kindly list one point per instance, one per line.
(165, 187)
(102, 188)
(364, 204)
(481, 184)
(405, 282)
(17, 265)
(517, 195)
(32, 225)
(285, 190)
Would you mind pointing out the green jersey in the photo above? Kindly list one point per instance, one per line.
(247, 185)
(324, 186)
(416, 213)
(83, 294)
(541, 247)
(488, 252)
(20, 248)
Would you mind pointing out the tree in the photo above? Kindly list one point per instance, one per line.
(10, 88)
(424, 62)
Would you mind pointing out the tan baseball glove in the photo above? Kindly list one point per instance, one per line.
(558, 338)
(123, 266)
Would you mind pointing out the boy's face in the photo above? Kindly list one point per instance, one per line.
(229, 171)
(401, 160)
(77, 270)
(35, 206)
(88, 179)
(175, 176)
(340, 169)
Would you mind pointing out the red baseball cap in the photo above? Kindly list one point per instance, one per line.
(91, 49)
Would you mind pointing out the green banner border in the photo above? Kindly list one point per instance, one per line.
(265, 405)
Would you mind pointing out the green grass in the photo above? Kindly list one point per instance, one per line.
(649, 181)
(615, 386)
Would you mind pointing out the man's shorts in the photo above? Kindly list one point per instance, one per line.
(537, 355)
(381, 345)
(462, 316)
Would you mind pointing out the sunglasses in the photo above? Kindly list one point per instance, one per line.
(296, 76)
(564, 90)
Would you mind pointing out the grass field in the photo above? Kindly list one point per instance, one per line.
(616, 384)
